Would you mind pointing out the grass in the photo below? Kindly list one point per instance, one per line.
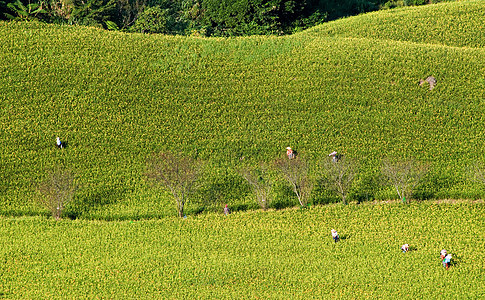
(349, 85)
(276, 254)
(115, 98)
(458, 24)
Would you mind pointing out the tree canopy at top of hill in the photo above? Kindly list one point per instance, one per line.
(116, 98)
(195, 17)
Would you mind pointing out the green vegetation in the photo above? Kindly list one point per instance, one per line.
(276, 254)
(195, 17)
(457, 24)
(116, 98)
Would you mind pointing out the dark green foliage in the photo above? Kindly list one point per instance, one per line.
(94, 12)
(25, 12)
(3, 10)
(386, 4)
(165, 16)
(153, 20)
(343, 8)
(249, 17)
(201, 17)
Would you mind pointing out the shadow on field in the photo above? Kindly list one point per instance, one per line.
(455, 261)
(344, 237)
(89, 201)
(214, 194)
(217, 209)
(284, 197)
(240, 207)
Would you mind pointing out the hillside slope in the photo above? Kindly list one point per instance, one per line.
(115, 98)
(459, 24)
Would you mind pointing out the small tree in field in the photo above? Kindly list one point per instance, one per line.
(477, 172)
(338, 176)
(57, 191)
(261, 182)
(404, 175)
(176, 173)
(296, 173)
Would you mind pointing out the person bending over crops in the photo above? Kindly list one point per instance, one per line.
(335, 235)
(335, 156)
(290, 153)
(443, 254)
(447, 261)
(405, 248)
(226, 210)
(445, 258)
(59, 144)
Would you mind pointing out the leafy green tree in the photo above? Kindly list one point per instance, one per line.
(94, 12)
(153, 20)
(25, 12)
(129, 11)
(246, 17)
(166, 16)
(110, 14)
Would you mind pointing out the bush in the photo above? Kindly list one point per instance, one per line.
(153, 20)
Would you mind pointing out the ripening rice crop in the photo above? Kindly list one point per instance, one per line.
(115, 98)
(274, 254)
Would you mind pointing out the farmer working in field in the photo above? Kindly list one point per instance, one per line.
(443, 254)
(334, 156)
(226, 210)
(445, 258)
(290, 153)
(335, 235)
(59, 143)
(405, 248)
(447, 261)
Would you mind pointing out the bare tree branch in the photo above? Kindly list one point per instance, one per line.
(261, 182)
(296, 173)
(477, 172)
(404, 175)
(339, 175)
(57, 190)
(176, 173)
